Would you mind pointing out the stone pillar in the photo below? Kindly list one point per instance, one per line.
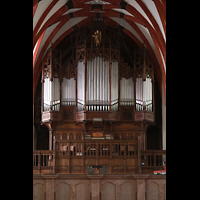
(95, 186)
(118, 192)
(162, 191)
(50, 186)
(50, 144)
(73, 195)
(50, 138)
(163, 118)
(140, 178)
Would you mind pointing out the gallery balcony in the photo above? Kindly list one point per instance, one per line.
(98, 157)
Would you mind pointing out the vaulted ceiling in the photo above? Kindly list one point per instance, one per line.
(142, 21)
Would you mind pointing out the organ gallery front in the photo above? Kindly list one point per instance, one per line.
(97, 107)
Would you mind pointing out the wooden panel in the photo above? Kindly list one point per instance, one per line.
(38, 191)
(113, 116)
(108, 191)
(149, 116)
(144, 115)
(126, 112)
(80, 116)
(104, 162)
(63, 191)
(68, 113)
(128, 191)
(130, 148)
(122, 148)
(97, 134)
(82, 191)
(152, 191)
(139, 116)
(131, 162)
(51, 115)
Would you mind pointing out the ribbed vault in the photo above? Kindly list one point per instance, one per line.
(141, 22)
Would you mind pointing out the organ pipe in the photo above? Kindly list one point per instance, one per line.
(144, 94)
(51, 94)
(97, 86)
(68, 92)
(126, 92)
(80, 86)
(95, 79)
(114, 86)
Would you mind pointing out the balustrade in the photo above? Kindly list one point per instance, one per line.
(146, 161)
(143, 105)
(99, 148)
(44, 160)
(68, 102)
(152, 159)
(97, 105)
(54, 105)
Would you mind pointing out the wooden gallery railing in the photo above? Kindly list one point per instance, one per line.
(100, 153)
(109, 156)
(152, 160)
(43, 162)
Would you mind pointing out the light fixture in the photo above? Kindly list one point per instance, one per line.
(97, 1)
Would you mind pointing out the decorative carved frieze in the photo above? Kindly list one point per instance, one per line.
(68, 113)
(125, 70)
(64, 136)
(69, 71)
(127, 113)
(51, 65)
(144, 64)
(126, 135)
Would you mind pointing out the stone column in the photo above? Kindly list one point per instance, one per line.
(73, 195)
(95, 186)
(50, 138)
(50, 186)
(163, 118)
(140, 178)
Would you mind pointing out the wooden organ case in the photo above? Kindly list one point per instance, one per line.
(97, 107)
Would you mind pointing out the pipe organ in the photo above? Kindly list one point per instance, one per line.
(97, 79)
(97, 96)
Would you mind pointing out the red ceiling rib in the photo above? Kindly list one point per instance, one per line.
(49, 21)
(34, 9)
(162, 13)
(35, 2)
(157, 31)
(153, 33)
(37, 48)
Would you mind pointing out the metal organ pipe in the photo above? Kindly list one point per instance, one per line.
(114, 86)
(97, 89)
(47, 94)
(80, 86)
(51, 94)
(126, 92)
(139, 96)
(143, 94)
(68, 92)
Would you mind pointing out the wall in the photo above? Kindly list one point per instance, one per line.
(98, 187)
